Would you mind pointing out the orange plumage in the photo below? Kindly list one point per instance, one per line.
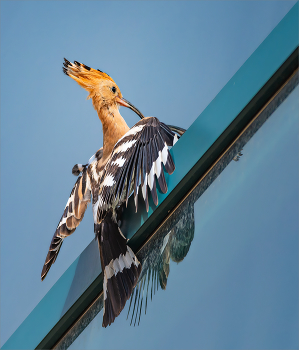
(106, 99)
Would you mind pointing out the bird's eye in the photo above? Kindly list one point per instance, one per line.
(113, 89)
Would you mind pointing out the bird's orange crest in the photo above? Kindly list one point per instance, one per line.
(86, 77)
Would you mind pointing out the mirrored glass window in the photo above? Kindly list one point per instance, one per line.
(222, 272)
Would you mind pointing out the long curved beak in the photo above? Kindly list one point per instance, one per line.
(127, 104)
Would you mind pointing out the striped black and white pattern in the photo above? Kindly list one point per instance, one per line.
(138, 159)
(71, 218)
(120, 266)
(75, 208)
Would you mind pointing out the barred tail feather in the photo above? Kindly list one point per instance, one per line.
(120, 267)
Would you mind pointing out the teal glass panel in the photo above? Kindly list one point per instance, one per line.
(236, 284)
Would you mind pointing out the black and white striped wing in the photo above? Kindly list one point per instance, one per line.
(71, 218)
(136, 160)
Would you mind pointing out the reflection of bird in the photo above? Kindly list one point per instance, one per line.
(129, 158)
(182, 237)
(174, 245)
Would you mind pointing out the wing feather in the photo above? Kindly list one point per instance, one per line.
(71, 218)
(144, 178)
(138, 175)
(159, 167)
(131, 172)
(136, 160)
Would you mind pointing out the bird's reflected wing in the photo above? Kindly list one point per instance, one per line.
(136, 160)
(71, 218)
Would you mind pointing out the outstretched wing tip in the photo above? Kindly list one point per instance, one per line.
(43, 275)
(72, 216)
(45, 271)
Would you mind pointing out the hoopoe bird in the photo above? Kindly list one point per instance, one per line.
(129, 159)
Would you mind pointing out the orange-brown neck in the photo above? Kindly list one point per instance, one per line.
(114, 127)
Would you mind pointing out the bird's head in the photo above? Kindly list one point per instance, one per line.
(101, 87)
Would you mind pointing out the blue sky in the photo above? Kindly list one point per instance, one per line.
(170, 59)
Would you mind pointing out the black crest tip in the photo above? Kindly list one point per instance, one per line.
(65, 70)
(86, 67)
(67, 62)
(103, 72)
